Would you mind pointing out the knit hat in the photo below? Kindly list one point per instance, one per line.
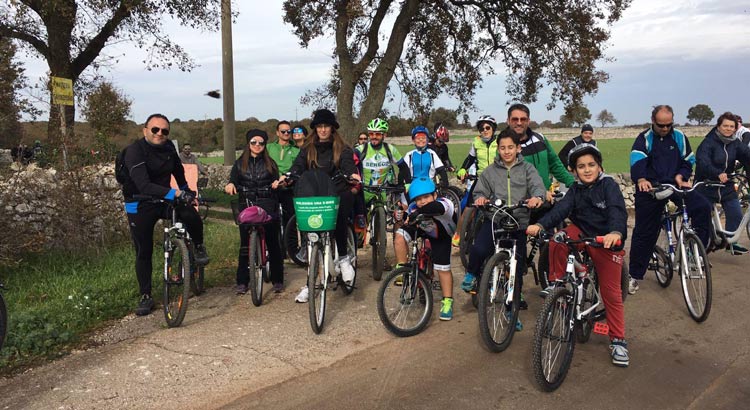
(587, 127)
(256, 133)
(324, 116)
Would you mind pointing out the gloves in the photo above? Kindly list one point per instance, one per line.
(187, 197)
(461, 173)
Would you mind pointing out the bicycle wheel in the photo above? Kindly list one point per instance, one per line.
(257, 268)
(351, 251)
(661, 264)
(378, 242)
(316, 277)
(197, 277)
(3, 320)
(624, 280)
(466, 234)
(452, 196)
(497, 319)
(293, 241)
(177, 283)
(203, 211)
(405, 305)
(553, 339)
(695, 274)
(543, 265)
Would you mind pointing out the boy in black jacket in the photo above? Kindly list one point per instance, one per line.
(595, 207)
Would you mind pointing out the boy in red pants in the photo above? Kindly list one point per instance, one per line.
(595, 207)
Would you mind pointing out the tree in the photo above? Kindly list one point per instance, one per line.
(12, 104)
(577, 114)
(107, 109)
(701, 113)
(445, 116)
(605, 117)
(70, 35)
(446, 46)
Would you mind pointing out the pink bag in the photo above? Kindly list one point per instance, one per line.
(254, 215)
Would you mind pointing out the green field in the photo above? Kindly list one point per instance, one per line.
(616, 152)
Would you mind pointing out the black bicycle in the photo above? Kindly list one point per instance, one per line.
(378, 210)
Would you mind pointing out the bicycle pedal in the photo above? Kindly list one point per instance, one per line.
(601, 328)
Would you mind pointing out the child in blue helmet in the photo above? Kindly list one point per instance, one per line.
(440, 230)
(421, 162)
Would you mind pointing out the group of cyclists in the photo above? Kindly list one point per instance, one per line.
(514, 164)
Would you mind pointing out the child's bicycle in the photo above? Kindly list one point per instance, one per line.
(568, 315)
(405, 295)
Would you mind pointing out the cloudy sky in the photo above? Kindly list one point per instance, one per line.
(679, 52)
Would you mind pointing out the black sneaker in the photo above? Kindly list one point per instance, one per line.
(522, 305)
(201, 257)
(145, 305)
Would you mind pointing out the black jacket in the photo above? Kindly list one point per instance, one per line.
(569, 146)
(597, 209)
(151, 167)
(325, 163)
(256, 176)
(712, 158)
(442, 152)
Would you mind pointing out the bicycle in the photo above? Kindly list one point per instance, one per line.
(720, 237)
(378, 211)
(179, 263)
(258, 261)
(405, 297)
(568, 314)
(469, 224)
(499, 297)
(687, 251)
(203, 203)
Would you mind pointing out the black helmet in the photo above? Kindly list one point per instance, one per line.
(584, 149)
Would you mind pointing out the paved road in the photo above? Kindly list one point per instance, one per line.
(230, 354)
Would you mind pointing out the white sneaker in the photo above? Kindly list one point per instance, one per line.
(302, 296)
(347, 270)
(633, 286)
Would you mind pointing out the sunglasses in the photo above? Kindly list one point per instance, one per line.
(256, 142)
(668, 125)
(485, 128)
(164, 131)
(374, 134)
(361, 139)
(521, 119)
(285, 131)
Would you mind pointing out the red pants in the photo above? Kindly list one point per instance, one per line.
(608, 264)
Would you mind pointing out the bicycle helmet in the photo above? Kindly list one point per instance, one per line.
(442, 133)
(377, 125)
(489, 120)
(584, 149)
(420, 129)
(421, 186)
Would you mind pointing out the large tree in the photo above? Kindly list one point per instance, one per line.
(700, 113)
(605, 117)
(446, 46)
(70, 35)
(575, 114)
(107, 109)
(12, 103)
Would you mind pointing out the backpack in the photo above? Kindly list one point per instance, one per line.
(122, 173)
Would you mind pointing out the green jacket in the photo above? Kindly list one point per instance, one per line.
(283, 155)
(537, 151)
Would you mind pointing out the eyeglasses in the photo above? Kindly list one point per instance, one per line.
(486, 128)
(519, 119)
(285, 131)
(668, 125)
(164, 131)
(374, 134)
(363, 139)
(256, 142)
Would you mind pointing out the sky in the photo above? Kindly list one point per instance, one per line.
(677, 52)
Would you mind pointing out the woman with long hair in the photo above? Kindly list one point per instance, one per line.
(256, 170)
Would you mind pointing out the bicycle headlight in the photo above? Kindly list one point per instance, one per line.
(313, 237)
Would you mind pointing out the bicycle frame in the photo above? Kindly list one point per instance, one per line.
(174, 229)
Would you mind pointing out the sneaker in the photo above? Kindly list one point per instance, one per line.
(519, 325)
(469, 283)
(456, 240)
(446, 311)
(548, 290)
(240, 289)
(522, 304)
(302, 253)
(145, 305)
(633, 286)
(201, 257)
(347, 270)
(736, 249)
(302, 295)
(278, 287)
(619, 351)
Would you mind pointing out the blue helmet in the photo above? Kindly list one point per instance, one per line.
(421, 186)
(420, 129)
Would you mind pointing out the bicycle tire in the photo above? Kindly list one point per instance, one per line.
(255, 268)
(197, 285)
(293, 241)
(203, 211)
(554, 320)
(452, 196)
(466, 234)
(379, 242)
(351, 251)
(624, 281)
(661, 264)
(3, 320)
(543, 266)
(177, 285)
(396, 304)
(316, 287)
(696, 287)
(497, 321)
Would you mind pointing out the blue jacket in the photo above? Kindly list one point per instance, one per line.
(597, 209)
(713, 157)
(660, 159)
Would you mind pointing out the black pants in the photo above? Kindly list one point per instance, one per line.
(275, 258)
(286, 198)
(142, 233)
(346, 202)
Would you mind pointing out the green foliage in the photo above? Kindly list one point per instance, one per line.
(12, 104)
(107, 109)
(605, 117)
(701, 113)
(575, 115)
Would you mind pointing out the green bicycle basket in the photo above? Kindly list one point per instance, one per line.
(316, 213)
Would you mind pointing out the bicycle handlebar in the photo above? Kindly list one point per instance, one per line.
(562, 237)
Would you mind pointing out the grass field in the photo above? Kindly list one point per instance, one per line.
(616, 152)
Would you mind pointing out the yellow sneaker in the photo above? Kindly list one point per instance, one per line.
(456, 240)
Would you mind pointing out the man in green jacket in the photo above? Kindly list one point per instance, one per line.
(284, 153)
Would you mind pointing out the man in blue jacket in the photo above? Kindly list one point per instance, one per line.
(661, 154)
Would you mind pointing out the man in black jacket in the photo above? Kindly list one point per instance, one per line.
(151, 162)
(587, 136)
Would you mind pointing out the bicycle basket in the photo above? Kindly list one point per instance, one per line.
(316, 213)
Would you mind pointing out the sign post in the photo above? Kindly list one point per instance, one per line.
(62, 95)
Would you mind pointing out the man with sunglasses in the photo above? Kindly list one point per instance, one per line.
(284, 153)
(661, 154)
(150, 163)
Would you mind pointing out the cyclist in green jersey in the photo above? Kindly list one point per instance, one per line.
(378, 157)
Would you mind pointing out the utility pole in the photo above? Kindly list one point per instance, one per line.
(227, 64)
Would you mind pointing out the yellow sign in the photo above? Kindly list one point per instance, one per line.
(62, 91)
